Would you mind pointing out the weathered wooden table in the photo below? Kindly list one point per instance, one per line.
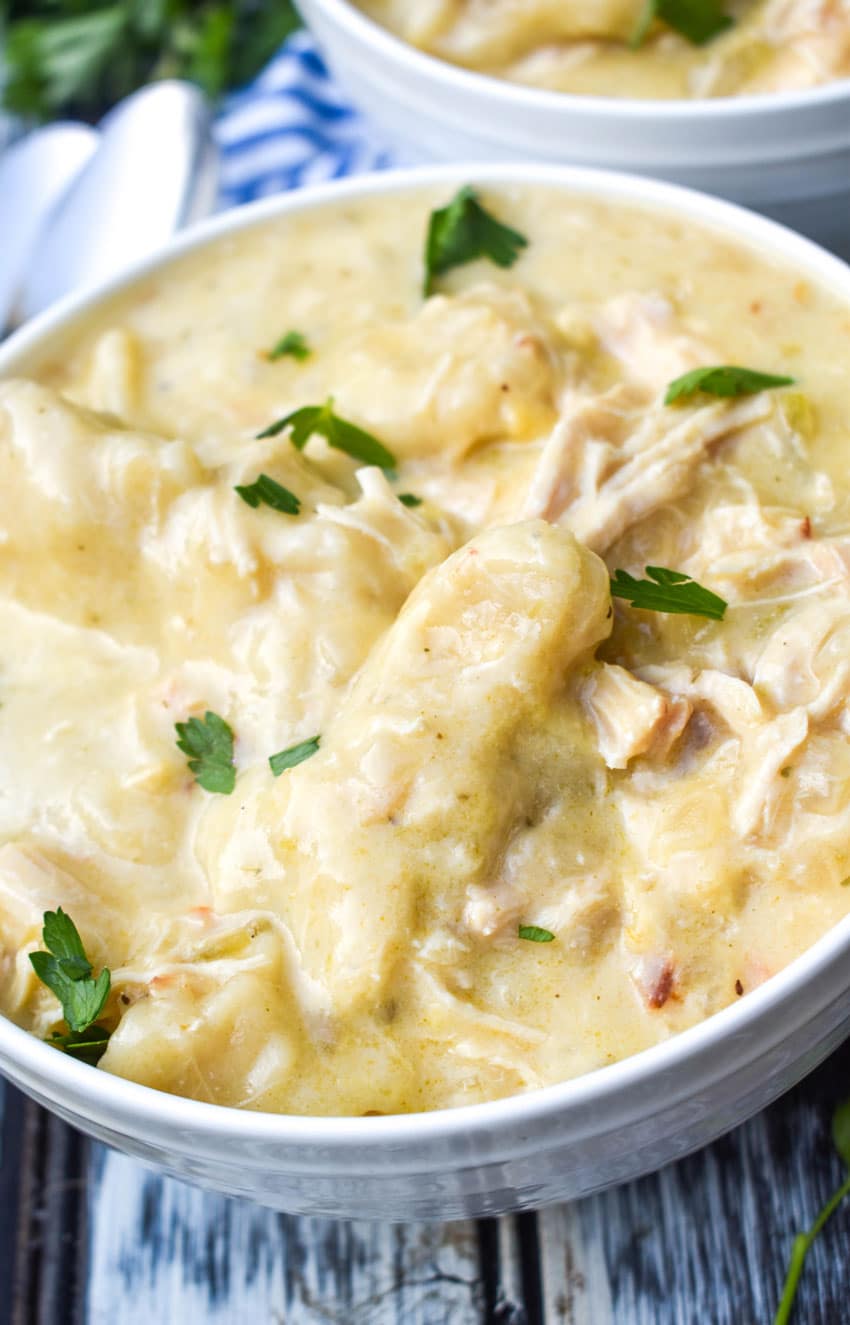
(88, 1237)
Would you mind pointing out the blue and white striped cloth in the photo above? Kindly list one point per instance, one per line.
(292, 126)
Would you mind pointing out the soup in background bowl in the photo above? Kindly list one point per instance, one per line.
(631, 48)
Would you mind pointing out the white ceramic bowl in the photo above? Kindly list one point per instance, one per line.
(549, 1145)
(788, 155)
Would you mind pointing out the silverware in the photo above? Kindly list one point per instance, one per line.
(154, 172)
(34, 173)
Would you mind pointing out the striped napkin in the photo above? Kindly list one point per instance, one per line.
(292, 126)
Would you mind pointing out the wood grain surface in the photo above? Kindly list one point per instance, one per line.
(88, 1237)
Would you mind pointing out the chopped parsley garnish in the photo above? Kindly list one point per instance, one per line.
(67, 972)
(339, 433)
(292, 344)
(534, 934)
(295, 754)
(464, 231)
(266, 492)
(409, 499)
(725, 380)
(208, 742)
(697, 20)
(804, 1241)
(668, 591)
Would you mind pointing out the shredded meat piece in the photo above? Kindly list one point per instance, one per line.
(608, 464)
(768, 752)
(491, 910)
(806, 661)
(655, 977)
(631, 717)
(641, 331)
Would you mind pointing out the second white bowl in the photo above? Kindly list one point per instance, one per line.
(786, 154)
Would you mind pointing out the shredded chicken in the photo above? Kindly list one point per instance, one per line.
(806, 662)
(767, 753)
(608, 465)
(632, 718)
(644, 333)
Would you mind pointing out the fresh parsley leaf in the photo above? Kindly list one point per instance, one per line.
(534, 934)
(804, 1241)
(208, 742)
(337, 432)
(265, 491)
(88, 1045)
(464, 231)
(293, 343)
(62, 939)
(78, 57)
(697, 20)
(66, 971)
(52, 62)
(295, 754)
(409, 499)
(668, 591)
(726, 380)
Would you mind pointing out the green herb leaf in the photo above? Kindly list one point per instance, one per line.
(337, 432)
(61, 938)
(804, 1241)
(88, 1045)
(208, 742)
(79, 57)
(668, 591)
(66, 971)
(464, 231)
(409, 499)
(265, 491)
(697, 20)
(293, 343)
(534, 934)
(726, 380)
(295, 754)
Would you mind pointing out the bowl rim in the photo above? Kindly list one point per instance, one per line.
(394, 50)
(63, 1078)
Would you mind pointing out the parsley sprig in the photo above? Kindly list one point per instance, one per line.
(723, 380)
(67, 972)
(668, 591)
(464, 231)
(78, 57)
(338, 433)
(208, 742)
(293, 344)
(294, 755)
(804, 1241)
(267, 491)
(697, 20)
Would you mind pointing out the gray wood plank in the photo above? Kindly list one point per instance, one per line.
(708, 1238)
(165, 1250)
(43, 1237)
